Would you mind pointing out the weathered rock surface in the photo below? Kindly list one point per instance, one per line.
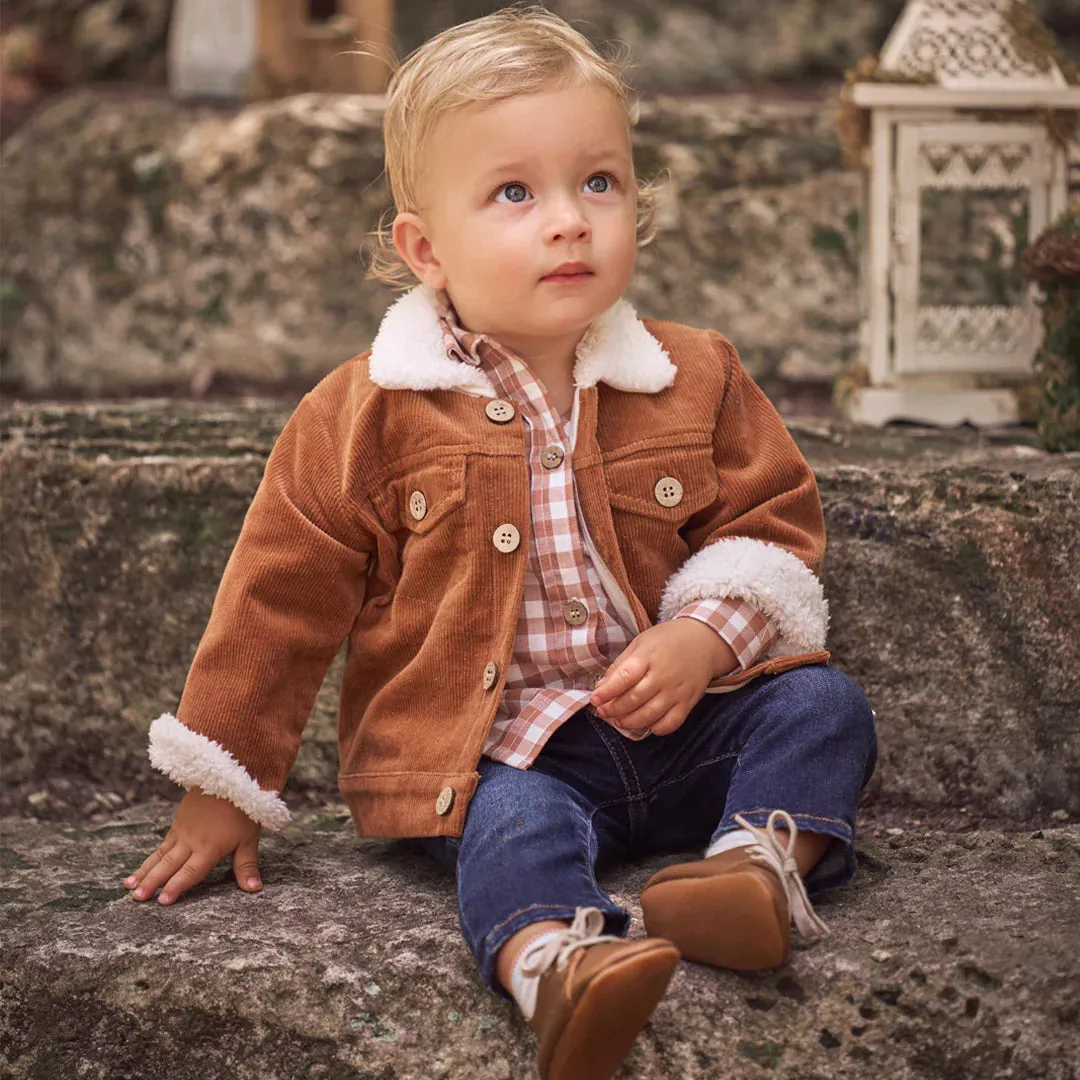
(952, 957)
(953, 573)
(151, 244)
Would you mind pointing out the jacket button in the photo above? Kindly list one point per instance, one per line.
(506, 538)
(552, 457)
(499, 411)
(417, 505)
(444, 801)
(491, 675)
(575, 613)
(668, 491)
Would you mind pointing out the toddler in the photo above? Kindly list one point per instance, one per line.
(575, 556)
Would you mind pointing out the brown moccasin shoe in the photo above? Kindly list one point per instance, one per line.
(593, 998)
(734, 909)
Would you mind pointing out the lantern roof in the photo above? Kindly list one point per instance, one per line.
(972, 45)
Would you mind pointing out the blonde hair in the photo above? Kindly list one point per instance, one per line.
(519, 50)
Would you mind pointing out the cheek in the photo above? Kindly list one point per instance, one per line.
(501, 251)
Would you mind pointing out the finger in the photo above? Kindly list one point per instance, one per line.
(633, 698)
(671, 721)
(648, 713)
(195, 868)
(622, 675)
(150, 862)
(246, 865)
(162, 870)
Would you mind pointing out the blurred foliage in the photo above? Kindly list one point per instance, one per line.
(1054, 262)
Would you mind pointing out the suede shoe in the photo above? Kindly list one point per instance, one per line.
(595, 993)
(734, 910)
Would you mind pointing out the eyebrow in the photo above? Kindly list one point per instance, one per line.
(607, 154)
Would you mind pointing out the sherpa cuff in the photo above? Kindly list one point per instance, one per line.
(778, 583)
(192, 759)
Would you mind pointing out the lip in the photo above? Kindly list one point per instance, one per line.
(571, 271)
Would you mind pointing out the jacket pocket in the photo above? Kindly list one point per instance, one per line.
(668, 483)
(419, 499)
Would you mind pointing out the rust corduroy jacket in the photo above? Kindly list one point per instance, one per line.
(337, 546)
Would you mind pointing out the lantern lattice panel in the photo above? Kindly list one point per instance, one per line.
(962, 42)
(976, 331)
(979, 165)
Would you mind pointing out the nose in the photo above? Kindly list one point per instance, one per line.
(567, 222)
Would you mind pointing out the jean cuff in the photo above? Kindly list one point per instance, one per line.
(835, 868)
(616, 921)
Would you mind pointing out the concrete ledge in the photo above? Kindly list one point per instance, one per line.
(952, 956)
(953, 574)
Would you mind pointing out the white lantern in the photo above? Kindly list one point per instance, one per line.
(976, 123)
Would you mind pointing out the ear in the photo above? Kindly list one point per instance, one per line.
(414, 246)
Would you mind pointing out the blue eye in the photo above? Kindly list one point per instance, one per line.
(599, 184)
(515, 193)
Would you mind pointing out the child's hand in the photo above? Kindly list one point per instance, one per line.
(205, 830)
(660, 676)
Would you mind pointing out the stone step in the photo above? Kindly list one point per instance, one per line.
(951, 957)
(952, 570)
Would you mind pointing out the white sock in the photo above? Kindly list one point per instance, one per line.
(738, 838)
(523, 987)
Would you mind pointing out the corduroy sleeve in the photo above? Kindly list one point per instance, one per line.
(763, 538)
(290, 592)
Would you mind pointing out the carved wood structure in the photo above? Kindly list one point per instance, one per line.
(971, 118)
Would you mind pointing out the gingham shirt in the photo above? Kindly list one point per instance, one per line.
(555, 664)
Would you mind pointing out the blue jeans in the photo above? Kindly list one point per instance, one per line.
(801, 741)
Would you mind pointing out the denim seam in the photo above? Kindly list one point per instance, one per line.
(798, 814)
(614, 757)
(635, 794)
(682, 776)
(493, 932)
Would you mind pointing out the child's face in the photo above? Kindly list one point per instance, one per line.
(513, 191)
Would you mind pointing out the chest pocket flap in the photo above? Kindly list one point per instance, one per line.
(669, 483)
(423, 496)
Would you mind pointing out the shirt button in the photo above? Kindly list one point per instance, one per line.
(417, 505)
(499, 411)
(506, 538)
(668, 491)
(552, 457)
(575, 613)
(444, 801)
(594, 679)
(491, 675)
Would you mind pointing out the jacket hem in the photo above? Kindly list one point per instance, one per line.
(393, 805)
(192, 759)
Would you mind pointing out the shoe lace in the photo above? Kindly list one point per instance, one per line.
(770, 852)
(582, 932)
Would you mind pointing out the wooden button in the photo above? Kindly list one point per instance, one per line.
(506, 538)
(500, 411)
(575, 613)
(552, 457)
(417, 505)
(668, 491)
(444, 801)
(491, 675)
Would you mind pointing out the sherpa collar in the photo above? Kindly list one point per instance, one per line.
(408, 352)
